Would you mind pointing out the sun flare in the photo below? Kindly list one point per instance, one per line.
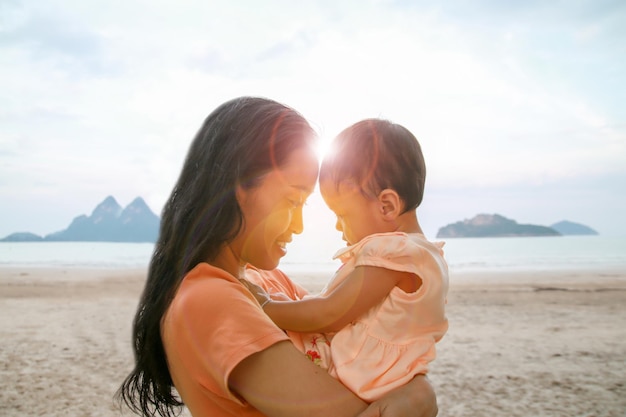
(324, 147)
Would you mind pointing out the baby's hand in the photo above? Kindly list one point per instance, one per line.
(280, 296)
(259, 293)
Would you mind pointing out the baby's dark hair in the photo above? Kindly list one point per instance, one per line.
(377, 154)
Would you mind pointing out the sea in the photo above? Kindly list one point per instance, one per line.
(509, 254)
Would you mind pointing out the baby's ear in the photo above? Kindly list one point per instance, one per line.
(391, 204)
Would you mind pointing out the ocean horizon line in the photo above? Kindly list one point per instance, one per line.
(462, 255)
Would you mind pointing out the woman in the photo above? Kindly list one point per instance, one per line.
(198, 329)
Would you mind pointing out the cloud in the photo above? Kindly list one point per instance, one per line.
(109, 94)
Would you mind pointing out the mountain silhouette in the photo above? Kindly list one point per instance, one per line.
(107, 223)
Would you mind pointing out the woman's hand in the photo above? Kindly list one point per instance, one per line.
(415, 399)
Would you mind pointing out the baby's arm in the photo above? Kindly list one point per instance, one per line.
(361, 290)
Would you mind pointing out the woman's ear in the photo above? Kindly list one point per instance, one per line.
(390, 203)
(242, 195)
(239, 193)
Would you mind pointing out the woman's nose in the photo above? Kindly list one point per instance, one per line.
(297, 223)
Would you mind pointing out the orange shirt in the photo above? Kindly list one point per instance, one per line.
(212, 324)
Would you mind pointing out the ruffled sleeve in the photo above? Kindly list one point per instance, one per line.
(395, 251)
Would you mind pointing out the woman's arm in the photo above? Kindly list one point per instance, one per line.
(362, 289)
(279, 381)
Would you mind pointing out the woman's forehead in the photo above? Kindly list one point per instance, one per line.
(300, 170)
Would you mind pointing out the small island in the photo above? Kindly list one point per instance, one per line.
(566, 227)
(493, 225)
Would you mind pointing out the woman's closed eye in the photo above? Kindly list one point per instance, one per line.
(297, 202)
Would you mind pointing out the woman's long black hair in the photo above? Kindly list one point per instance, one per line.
(239, 141)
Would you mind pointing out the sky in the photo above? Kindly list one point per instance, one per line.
(519, 106)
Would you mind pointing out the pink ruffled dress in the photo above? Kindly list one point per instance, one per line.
(395, 340)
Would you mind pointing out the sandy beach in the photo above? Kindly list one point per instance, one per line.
(527, 344)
